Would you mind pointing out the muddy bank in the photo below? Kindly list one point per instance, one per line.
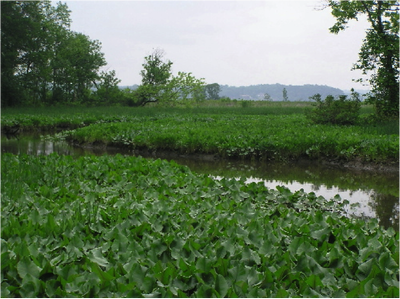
(356, 164)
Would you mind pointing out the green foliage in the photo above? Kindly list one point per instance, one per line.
(107, 91)
(115, 226)
(212, 91)
(155, 75)
(275, 132)
(159, 86)
(380, 50)
(43, 61)
(340, 111)
(276, 137)
(285, 95)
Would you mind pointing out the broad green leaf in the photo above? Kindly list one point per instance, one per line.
(5, 261)
(96, 256)
(203, 265)
(5, 292)
(204, 291)
(27, 266)
(321, 234)
(387, 263)
(221, 285)
(367, 266)
(314, 281)
(282, 293)
(30, 287)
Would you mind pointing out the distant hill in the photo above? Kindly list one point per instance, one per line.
(294, 92)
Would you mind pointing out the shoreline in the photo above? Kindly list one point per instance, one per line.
(356, 164)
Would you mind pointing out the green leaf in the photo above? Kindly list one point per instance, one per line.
(367, 266)
(268, 249)
(221, 286)
(387, 263)
(96, 256)
(282, 293)
(27, 266)
(30, 286)
(314, 281)
(238, 272)
(320, 234)
(5, 292)
(203, 265)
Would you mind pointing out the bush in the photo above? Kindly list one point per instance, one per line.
(339, 111)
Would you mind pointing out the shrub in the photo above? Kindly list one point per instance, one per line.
(339, 111)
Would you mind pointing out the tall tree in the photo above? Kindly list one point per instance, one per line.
(212, 91)
(284, 95)
(159, 86)
(78, 61)
(380, 49)
(43, 61)
(19, 21)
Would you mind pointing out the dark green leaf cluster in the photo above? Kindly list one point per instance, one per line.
(43, 62)
(130, 227)
(339, 111)
(380, 50)
(159, 86)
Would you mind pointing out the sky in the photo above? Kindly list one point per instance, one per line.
(237, 43)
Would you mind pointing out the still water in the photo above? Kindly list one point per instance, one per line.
(375, 193)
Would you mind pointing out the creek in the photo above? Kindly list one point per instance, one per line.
(372, 194)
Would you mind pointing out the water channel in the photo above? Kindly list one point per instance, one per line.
(376, 193)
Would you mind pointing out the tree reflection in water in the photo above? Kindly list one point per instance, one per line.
(386, 207)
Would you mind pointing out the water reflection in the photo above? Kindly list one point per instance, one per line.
(360, 197)
(377, 193)
(386, 207)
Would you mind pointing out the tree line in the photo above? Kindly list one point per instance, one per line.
(44, 62)
(277, 92)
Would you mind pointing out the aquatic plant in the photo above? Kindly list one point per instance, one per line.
(115, 226)
(276, 137)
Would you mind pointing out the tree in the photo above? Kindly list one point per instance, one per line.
(23, 64)
(107, 90)
(78, 61)
(380, 49)
(42, 60)
(182, 87)
(159, 86)
(267, 97)
(212, 91)
(155, 75)
(285, 96)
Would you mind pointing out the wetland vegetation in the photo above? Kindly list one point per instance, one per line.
(128, 226)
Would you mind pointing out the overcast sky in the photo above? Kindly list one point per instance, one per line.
(237, 43)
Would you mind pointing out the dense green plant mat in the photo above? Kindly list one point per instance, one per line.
(115, 226)
(276, 131)
(276, 137)
(47, 118)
